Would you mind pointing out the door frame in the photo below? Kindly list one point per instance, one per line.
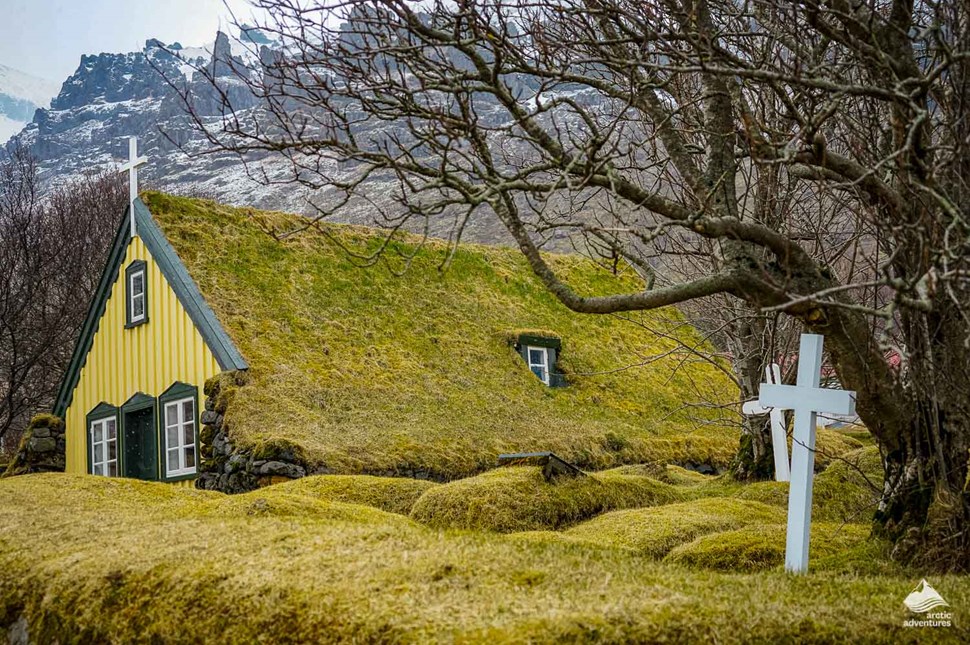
(138, 402)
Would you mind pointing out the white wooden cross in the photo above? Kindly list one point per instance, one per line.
(779, 438)
(132, 169)
(806, 398)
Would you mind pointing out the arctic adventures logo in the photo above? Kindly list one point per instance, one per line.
(923, 600)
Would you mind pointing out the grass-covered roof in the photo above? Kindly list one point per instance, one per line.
(370, 371)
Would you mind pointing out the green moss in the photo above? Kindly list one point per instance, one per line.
(762, 546)
(127, 561)
(830, 445)
(273, 502)
(371, 372)
(18, 464)
(848, 490)
(278, 448)
(392, 494)
(655, 531)
(520, 499)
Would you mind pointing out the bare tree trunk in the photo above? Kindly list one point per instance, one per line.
(754, 459)
(927, 507)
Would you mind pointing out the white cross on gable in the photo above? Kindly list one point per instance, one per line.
(779, 438)
(806, 398)
(132, 169)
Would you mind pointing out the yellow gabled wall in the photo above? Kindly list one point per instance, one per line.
(148, 358)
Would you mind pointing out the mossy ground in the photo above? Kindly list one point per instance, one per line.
(520, 499)
(91, 559)
(370, 372)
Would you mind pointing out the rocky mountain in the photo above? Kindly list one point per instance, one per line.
(20, 96)
(113, 96)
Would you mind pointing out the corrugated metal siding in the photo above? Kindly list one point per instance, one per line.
(147, 358)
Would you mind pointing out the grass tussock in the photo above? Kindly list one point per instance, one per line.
(127, 561)
(270, 502)
(518, 498)
(762, 546)
(655, 531)
(392, 494)
(370, 372)
(847, 491)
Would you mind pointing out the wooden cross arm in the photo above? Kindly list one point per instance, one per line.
(810, 399)
(134, 163)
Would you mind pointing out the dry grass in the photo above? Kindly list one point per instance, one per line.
(655, 531)
(520, 499)
(762, 546)
(374, 373)
(89, 559)
(392, 494)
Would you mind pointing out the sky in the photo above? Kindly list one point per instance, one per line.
(46, 38)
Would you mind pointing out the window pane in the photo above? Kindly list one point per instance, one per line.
(173, 459)
(98, 469)
(138, 305)
(112, 450)
(113, 469)
(97, 433)
(540, 372)
(138, 284)
(98, 453)
(537, 356)
(171, 414)
(172, 436)
(188, 411)
(188, 434)
(111, 429)
(190, 457)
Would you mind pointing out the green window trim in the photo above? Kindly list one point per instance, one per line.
(138, 402)
(133, 269)
(552, 347)
(177, 392)
(176, 275)
(101, 412)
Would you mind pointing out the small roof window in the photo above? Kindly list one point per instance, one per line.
(540, 351)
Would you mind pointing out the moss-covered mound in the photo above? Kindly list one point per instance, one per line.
(520, 499)
(271, 502)
(373, 372)
(92, 559)
(848, 490)
(392, 494)
(762, 546)
(655, 531)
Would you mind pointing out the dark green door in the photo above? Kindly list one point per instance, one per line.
(141, 454)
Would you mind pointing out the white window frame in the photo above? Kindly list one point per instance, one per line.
(105, 462)
(544, 364)
(132, 296)
(180, 469)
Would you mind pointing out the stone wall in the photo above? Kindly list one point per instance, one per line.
(42, 447)
(226, 467)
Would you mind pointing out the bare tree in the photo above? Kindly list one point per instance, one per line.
(52, 250)
(812, 158)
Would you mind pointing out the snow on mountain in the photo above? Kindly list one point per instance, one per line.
(19, 85)
(20, 95)
(112, 96)
(9, 127)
